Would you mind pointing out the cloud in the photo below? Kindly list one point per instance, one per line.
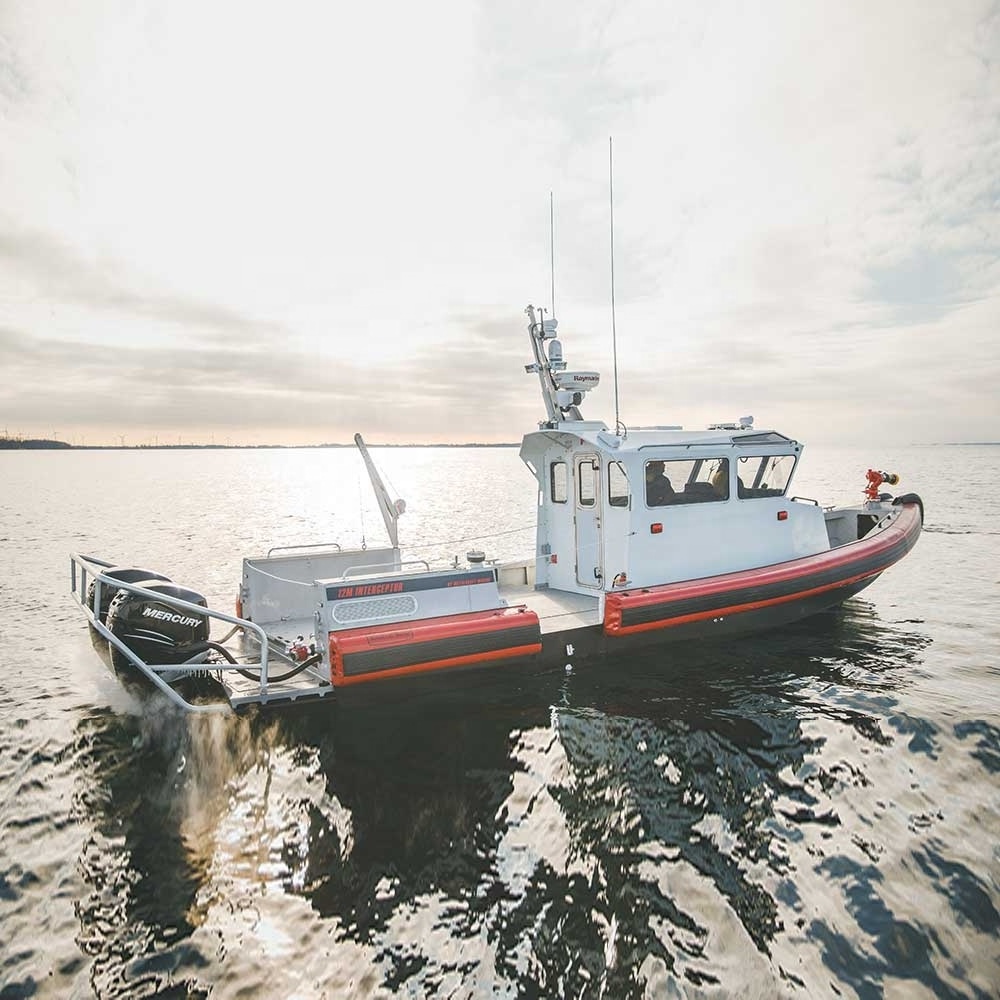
(54, 275)
(340, 225)
(462, 391)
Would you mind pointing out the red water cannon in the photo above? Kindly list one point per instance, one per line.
(876, 479)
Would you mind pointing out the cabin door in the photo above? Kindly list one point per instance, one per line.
(589, 565)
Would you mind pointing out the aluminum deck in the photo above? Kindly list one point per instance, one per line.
(557, 610)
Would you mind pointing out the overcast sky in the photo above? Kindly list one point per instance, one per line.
(287, 222)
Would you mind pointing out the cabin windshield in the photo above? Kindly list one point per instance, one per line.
(763, 475)
(699, 480)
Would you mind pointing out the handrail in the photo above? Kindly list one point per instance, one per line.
(368, 568)
(308, 545)
(280, 579)
(150, 670)
(94, 560)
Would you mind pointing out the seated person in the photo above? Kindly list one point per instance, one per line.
(720, 481)
(658, 488)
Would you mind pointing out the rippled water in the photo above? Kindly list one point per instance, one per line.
(809, 813)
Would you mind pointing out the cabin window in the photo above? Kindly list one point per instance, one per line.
(617, 485)
(586, 477)
(699, 480)
(558, 482)
(763, 475)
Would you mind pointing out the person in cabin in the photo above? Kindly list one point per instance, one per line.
(720, 480)
(658, 488)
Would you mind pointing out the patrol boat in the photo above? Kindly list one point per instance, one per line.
(643, 536)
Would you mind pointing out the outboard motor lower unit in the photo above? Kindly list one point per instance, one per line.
(157, 632)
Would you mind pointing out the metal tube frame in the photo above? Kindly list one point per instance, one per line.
(314, 545)
(91, 565)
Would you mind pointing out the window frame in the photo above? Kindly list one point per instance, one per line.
(757, 491)
(619, 500)
(593, 469)
(562, 465)
(692, 470)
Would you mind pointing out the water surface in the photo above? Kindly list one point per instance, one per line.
(808, 813)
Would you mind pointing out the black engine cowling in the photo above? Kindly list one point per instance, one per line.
(127, 574)
(157, 632)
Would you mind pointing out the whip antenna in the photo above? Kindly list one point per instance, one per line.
(552, 254)
(614, 333)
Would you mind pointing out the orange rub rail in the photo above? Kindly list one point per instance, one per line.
(381, 652)
(668, 605)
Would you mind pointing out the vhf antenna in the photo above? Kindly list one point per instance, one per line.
(552, 255)
(619, 428)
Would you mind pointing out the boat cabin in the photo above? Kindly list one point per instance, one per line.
(662, 506)
(656, 505)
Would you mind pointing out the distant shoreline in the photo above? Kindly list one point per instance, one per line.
(42, 444)
(45, 444)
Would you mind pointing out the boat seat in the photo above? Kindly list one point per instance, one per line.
(746, 493)
(697, 493)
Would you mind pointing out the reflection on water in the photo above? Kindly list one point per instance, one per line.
(686, 820)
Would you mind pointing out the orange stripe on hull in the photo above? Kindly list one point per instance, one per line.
(422, 668)
(735, 609)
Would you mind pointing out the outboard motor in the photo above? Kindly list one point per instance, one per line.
(157, 632)
(126, 574)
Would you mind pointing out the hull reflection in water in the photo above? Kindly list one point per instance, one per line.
(723, 819)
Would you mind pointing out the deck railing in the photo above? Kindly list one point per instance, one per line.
(86, 569)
